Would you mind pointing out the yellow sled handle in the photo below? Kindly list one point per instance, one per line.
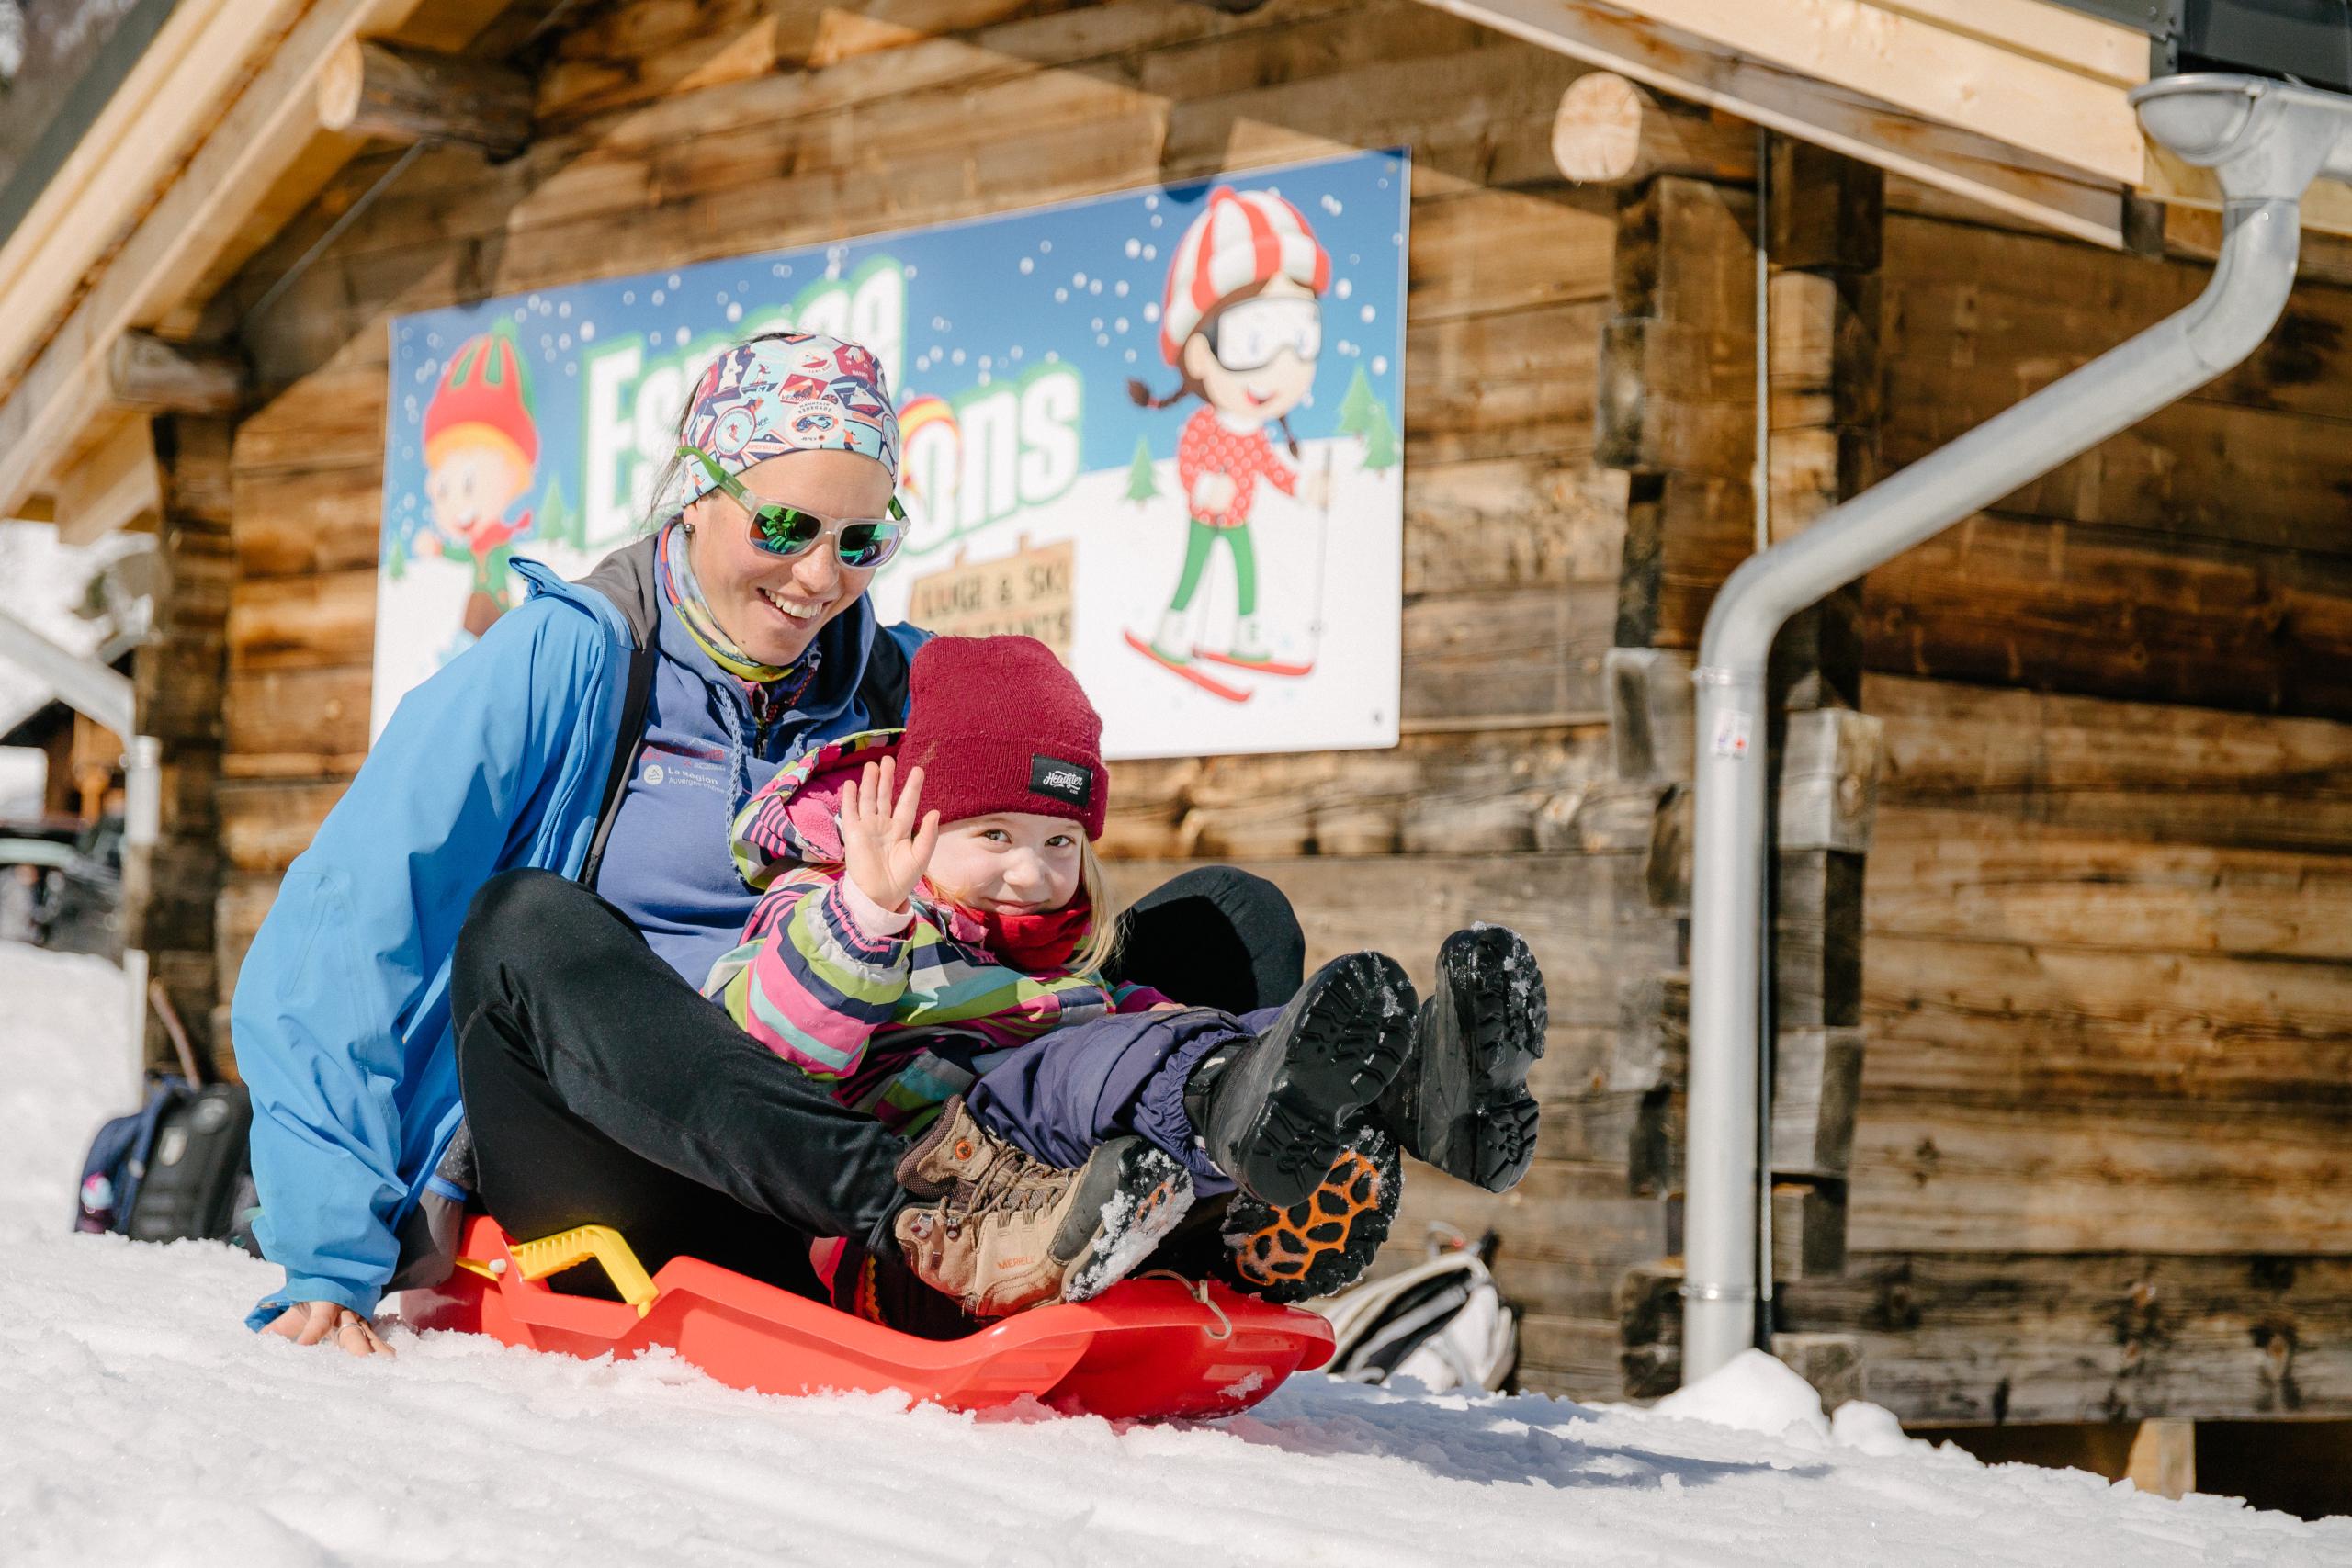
(553, 1253)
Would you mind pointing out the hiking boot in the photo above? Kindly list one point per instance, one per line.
(1005, 1232)
(1462, 1102)
(1325, 1241)
(1275, 1112)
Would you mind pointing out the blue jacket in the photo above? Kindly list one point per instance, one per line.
(341, 1016)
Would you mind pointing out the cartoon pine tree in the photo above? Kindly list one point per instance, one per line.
(1355, 409)
(1380, 440)
(1143, 479)
(556, 521)
(396, 559)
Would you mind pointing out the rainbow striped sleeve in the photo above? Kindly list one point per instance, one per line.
(808, 984)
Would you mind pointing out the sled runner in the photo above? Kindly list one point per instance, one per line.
(1206, 682)
(1150, 1349)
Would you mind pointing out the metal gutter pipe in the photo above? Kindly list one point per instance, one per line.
(2265, 141)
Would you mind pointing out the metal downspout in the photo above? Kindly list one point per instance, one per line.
(2266, 141)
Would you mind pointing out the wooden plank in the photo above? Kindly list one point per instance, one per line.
(2088, 45)
(1510, 522)
(2036, 1173)
(2043, 186)
(1954, 77)
(407, 94)
(2160, 772)
(152, 375)
(268, 126)
(1987, 1337)
(304, 623)
(282, 723)
(1984, 877)
(2117, 613)
(297, 522)
(1432, 793)
(111, 486)
(163, 104)
(2163, 1031)
(1567, 906)
(1486, 249)
(1532, 654)
(264, 824)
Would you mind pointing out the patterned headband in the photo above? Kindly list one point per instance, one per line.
(790, 392)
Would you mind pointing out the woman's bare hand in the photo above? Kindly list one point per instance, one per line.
(307, 1322)
(887, 846)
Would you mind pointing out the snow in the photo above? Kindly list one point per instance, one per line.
(145, 1426)
(42, 582)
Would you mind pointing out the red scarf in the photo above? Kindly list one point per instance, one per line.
(1034, 944)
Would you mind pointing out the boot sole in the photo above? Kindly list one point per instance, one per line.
(1480, 1124)
(1325, 1241)
(1129, 1198)
(1335, 1049)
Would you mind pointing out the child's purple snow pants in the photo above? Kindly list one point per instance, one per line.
(1063, 1094)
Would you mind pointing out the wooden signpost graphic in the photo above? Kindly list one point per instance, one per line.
(1027, 594)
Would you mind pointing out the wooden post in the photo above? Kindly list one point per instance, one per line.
(2164, 1458)
(372, 88)
(169, 891)
(1677, 410)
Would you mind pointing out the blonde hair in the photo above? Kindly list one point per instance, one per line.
(1110, 923)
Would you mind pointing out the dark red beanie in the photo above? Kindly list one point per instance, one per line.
(995, 723)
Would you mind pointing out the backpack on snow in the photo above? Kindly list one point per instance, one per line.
(174, 1168)
(1442, 1323)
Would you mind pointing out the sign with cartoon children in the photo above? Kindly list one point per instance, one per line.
(1157, 430)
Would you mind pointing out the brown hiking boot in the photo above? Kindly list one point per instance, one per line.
(1005, 1232)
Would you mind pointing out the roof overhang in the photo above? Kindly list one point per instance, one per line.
(2020, 105)
(209, 145)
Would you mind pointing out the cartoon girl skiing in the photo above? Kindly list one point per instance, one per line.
(482, 450)
(1242, 324)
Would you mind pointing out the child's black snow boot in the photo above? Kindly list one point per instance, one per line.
(1462, 1102)
(1324, 1242)
(1275, 1112)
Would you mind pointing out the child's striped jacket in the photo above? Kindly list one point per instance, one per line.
(899, 1023)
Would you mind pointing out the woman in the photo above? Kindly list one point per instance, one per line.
(603, 733)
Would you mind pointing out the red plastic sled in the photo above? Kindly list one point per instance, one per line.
(1149, 1349)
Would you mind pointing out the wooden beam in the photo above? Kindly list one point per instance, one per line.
(146, 373)
(172, 96)
(111, 487)
(373, 88)
(1610, 131)
(1981, 164)
(267, 128)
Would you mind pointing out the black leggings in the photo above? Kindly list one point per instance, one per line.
(602, 1088)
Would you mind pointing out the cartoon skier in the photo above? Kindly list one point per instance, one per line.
(1242, 324)
(481, 451)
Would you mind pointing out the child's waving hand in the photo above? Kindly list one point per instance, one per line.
(882, 846)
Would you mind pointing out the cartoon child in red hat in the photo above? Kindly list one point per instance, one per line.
(1242, 324)
(482, 450)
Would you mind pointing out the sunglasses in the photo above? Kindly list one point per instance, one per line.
(860, 543)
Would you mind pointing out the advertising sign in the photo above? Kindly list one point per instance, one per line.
(1158, 431)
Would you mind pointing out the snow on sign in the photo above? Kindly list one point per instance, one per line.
(1159, 431)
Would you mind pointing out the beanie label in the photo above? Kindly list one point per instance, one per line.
(1059, 780)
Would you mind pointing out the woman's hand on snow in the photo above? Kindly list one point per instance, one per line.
(887, 845)
(307, 1322)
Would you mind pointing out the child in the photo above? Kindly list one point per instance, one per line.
(945, 968)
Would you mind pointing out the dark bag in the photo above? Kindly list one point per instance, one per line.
(176, 1169)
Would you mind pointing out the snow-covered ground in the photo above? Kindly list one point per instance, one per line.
(140, 1424)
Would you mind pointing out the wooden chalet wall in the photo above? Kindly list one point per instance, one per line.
(2103, 1164)
(669, 132)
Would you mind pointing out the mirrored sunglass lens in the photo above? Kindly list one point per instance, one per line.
(786, 530)
(867, 544)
